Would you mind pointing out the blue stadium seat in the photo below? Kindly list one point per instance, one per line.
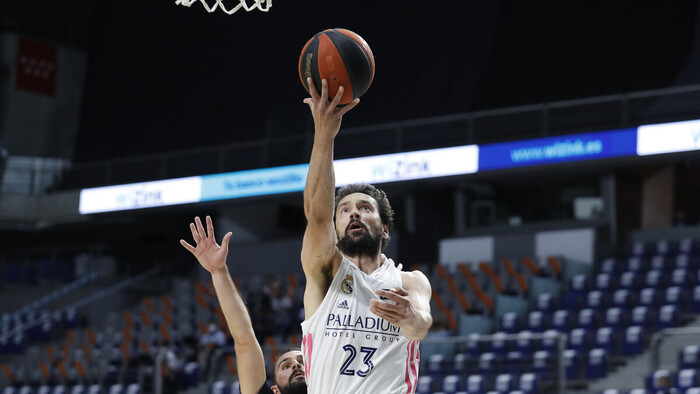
(616, 317)
(550, 341)
(436, 366)
(644, 316)
(514, 362)
(686, 379)
(562, 320)
(634, 340)
(524, 342)
(610, 266)
(669, 316)
(475, 384)
(451, 384)
(678, 296)
(604, 281)
(545, 302)
(424, 385)
(665, 247)
(504, 383)
(589, 319)
(695, 302)
(597, 299)
(686, 261)
(529, 383)
(687, 245)
(510, 322)
(489, 364)
(630, 280)
(661, 263)
(611, 391)
(650, 297)
(462, 363)
(573, 363)
(608, 338)
(499, 344)
(537, 321)
(640, 248)
(661, 379)
(579, 339)
(221, 387)
(543, 364)
(681, 277)
(689, 357)
(655, 279)
(637, 264)
(597, 364)
(78, 389)
(190, 374)
(624, 298)
(474, 345)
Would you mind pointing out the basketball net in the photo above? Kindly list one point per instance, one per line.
(219, 3)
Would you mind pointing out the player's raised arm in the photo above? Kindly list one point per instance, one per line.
(318, 249)
(249, 355)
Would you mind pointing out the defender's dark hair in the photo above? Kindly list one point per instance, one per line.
(386, 213)
(274, 367)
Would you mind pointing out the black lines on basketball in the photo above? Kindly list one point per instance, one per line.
(343, 58)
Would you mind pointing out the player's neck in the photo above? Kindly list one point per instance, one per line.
(367, 264)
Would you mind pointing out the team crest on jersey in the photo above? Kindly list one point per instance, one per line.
(346, 286)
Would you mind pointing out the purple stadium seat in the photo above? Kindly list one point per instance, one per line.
(562, 320)
(630, 280)
(669, 316)
(537, 321)
(529, 383)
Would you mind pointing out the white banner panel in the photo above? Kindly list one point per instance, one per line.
(668, 138)
(578, 244)
(466, 250)
(410, 165)
(140, 195)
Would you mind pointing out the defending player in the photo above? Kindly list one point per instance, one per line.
(288, 374)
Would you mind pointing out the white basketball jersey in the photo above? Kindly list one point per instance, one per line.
(348, 349)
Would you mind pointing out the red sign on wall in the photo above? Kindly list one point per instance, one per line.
(36, 67)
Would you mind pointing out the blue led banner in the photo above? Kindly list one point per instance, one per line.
(550, 150)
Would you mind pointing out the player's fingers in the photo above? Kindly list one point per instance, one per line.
(400, 291)
(187, 246)
(195, 235)
(324, 90)
(399, 267)
(312, 88)
(210, 228)
(348, 107)
(224, 242)
(338, 96)
(200, 228)
(392, 295)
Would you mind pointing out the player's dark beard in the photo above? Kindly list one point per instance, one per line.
(365, 245)
(296, 387)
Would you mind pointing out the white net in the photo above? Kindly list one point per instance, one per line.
(262, 5)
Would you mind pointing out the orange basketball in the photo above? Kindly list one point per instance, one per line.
(343, 58)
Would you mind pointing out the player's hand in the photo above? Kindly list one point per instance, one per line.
(327, 115)
(398, 312)
(209, 254)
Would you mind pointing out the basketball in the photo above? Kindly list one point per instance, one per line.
(343, 58)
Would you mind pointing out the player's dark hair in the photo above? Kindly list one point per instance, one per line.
(386, 213)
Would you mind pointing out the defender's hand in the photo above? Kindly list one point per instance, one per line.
(209, 254)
